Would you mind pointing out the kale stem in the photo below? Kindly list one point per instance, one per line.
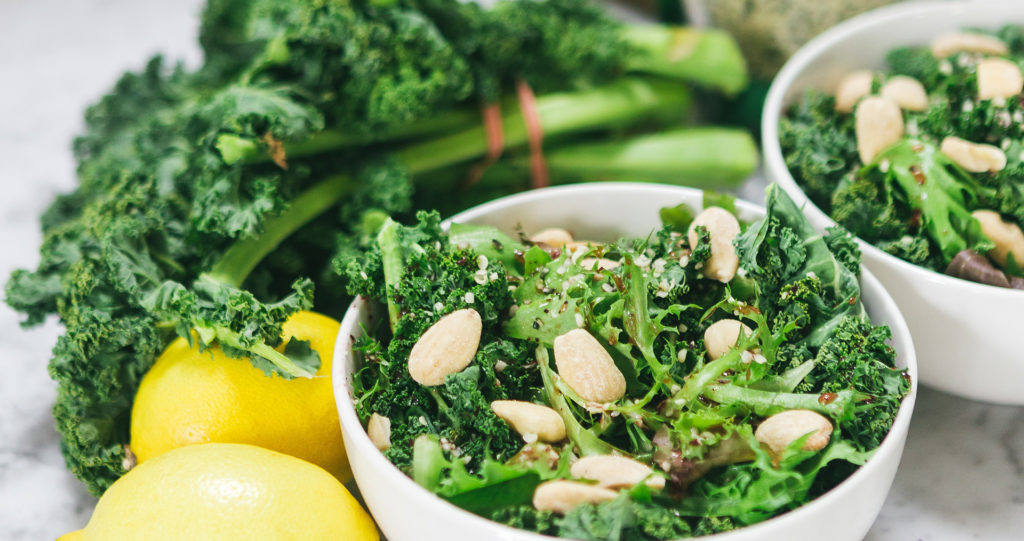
(621, 102)
(392, 263)
(615, 104)
(243, 256)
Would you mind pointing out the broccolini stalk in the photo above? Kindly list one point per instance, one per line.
(708, 57)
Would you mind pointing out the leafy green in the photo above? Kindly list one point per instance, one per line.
(912, 201)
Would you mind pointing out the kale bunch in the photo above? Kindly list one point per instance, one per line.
(213, 203)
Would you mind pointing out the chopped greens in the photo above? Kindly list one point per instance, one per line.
(918, 199)
(689, 417)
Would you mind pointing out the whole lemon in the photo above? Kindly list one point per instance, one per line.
(190, 397)
(227, 491)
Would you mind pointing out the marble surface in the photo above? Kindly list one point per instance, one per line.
(962, 475)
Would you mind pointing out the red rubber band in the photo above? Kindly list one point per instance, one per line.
(535, 133)
(495, 133)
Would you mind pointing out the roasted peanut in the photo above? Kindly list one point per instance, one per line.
(974, 157)
(879, 123)
(446, 347)
(852, 87)
(999, 78)
(1007, 237)
(906, 92)
(722, 336)
(379, 430)
(782, 429)
(552, 236)
(723, 228)
(588, 369)
(562, 496)
(529, 418)
(950, 44)
(612, 471)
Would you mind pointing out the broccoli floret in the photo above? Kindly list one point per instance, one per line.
(712, 525)
(526, 517)
(916, 62)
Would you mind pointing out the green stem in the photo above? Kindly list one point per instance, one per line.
(618, 103)
(392, 263)
(765, 403)
(621, 102)
(710, 58)
(243, 256)
(587, 443)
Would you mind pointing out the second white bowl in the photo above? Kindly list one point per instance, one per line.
(970, 336)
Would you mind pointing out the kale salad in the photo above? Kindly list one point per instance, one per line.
(925, 159)
(709, 376)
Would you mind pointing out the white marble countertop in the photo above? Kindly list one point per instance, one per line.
(962, 475)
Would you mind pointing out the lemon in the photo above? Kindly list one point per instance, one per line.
(227, 491)
(191, 397)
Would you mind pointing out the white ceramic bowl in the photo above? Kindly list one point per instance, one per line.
(405, 511)
(969, 335)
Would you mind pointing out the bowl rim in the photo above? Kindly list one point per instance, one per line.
(343, 360)
(775, 164)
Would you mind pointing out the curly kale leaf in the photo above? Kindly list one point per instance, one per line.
(938, 189)
(857, 356)
(783, 249)
(820, 146)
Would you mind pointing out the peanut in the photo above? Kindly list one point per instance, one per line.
(552, 236)
(999, 78)
(950, 44)
(879, 123)
(562, 496)
(852, 87)
(598, 263)
(529, 418)
(906, 92)
(379, 430)
(588, 369)
(614, 472)
(974, 157)
(782, 429)
(722, 336)
(1007, 236)
(723, 228)
(447, 347)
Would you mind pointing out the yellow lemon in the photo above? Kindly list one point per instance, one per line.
(226, 491)
(191, 397)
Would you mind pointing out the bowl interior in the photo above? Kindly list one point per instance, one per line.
(862, 42)
(604, 212)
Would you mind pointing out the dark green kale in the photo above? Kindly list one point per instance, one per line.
(912, 201)
(819, 145)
